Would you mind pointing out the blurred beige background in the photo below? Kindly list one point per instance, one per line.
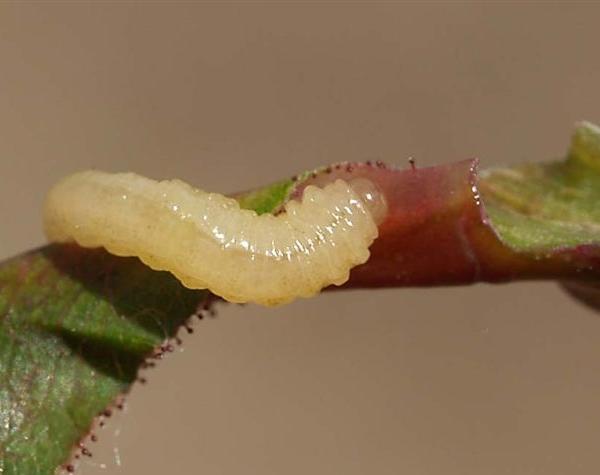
(468, 381)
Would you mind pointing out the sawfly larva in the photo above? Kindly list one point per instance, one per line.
(208, 242)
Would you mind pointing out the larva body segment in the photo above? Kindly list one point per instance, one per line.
(207, 241)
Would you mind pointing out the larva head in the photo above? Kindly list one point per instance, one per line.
(372, 197)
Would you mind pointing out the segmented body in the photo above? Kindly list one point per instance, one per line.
(207, 241)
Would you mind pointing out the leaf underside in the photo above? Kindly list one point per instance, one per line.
(76, 325)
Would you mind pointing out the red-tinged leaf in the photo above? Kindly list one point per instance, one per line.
(76, 325)
(447, 225)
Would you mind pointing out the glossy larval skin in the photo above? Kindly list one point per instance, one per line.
(208, 242)
(437, 231)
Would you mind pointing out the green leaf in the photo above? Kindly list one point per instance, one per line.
(545, 207)
(76, 325)
(268, 198)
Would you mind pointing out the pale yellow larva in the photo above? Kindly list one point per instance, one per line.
(208, 242)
